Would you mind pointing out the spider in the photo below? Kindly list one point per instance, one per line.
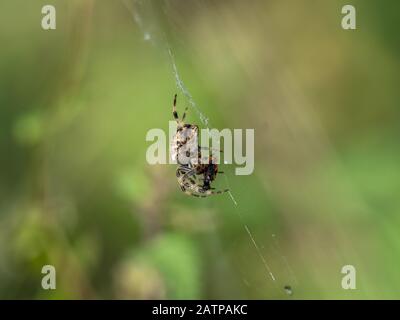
(194, 177)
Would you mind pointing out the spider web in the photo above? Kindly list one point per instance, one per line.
(141, 11)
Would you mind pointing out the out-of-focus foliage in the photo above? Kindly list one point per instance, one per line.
(76, 191)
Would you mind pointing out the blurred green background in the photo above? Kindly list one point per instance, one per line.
(76, 191)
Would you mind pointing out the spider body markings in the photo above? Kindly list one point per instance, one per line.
(185, 138)
(194, 176)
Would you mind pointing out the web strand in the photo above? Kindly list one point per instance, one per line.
(147, 35)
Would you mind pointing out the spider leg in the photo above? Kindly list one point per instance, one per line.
(210, 192)
(183, 171)
(184, 114)
(174, 110)
(198, 191)
(188, 176)
(192, 181)
(184, 175)
(189, 192)
(205, 194)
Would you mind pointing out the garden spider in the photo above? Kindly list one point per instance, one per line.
(194, 177)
